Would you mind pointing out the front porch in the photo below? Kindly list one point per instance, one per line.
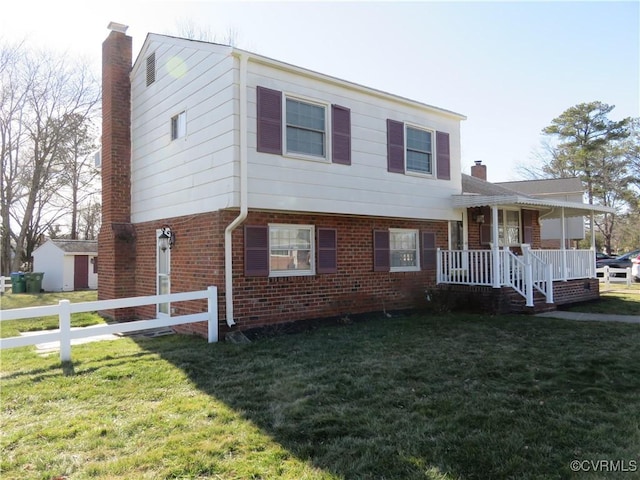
(541, 279)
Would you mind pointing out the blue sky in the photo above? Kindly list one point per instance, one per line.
(510, 67)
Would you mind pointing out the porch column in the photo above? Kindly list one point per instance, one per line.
(495, 247)
(593, 247)
(563, 253)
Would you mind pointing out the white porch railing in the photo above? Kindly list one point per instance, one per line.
(474, 267)
(569, 264)
(64, 309)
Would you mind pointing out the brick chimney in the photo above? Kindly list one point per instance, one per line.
(479, 171)
(116, 245)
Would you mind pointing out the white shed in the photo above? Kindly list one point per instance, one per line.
(67, 264)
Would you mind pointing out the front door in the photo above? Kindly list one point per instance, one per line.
(163, 255)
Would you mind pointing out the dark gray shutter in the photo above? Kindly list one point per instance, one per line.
(485, 228)
(256, 251)
(443, 160)
(429, 250)
(340, 135)
(527, 226)
(327, 250)
(269, 120)
(381, 253)
(395, 146)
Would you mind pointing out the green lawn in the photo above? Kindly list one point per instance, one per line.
(415, 397)
(621, 300)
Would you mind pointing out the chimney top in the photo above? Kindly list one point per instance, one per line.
(478, 162)
(117, 27)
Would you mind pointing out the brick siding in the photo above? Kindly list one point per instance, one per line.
(197, 261)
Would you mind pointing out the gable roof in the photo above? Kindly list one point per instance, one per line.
(480, 193)
(546, 186)
(76, 246)
(230, 50)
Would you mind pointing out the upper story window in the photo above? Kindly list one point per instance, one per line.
(419, 151)
(306, 128)
(178, 125)
(293, 126)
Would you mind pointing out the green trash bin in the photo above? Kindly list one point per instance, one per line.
(34, 281)
(18, 284)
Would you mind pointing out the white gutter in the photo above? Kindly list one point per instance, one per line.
(228, 241)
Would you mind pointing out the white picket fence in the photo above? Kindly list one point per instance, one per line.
(610, 275)
(65, 308)
(5, 283)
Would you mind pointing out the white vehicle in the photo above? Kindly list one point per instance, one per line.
(635, 268)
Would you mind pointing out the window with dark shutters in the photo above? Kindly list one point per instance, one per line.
(381, 256)
(429, 250)
(269, 120)
(527, 226)
(443, 160)
(340, 135)
(327, 250)
(256, 251)
(395, 146)
(485, 228)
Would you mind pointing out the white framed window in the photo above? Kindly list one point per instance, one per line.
(419, 150)
(291, 250)
(403, 250)
(178, 125)
(305, 127)
(509, 227)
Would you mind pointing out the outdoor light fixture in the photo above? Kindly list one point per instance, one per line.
(166, 239)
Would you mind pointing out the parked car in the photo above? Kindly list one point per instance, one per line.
(635, 268)
(602, 256)
(622, 261)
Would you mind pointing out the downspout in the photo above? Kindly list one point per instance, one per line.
(228, 242)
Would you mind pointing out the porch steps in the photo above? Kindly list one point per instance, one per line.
(517, 304)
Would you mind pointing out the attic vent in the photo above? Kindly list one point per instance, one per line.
(151, 68)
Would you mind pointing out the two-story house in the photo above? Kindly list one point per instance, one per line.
(298, 194)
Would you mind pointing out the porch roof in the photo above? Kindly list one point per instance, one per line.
(480, 193)
(552, 208)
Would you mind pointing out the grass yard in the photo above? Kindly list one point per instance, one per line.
(621, 300)
(415, 397)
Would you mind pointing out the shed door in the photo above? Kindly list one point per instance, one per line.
(80, 272)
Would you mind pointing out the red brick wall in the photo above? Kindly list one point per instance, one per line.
(197, 261)
(573, 291)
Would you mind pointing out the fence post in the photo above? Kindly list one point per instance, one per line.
(438, 267)
(65, 330)
(628, 272)
(212, 306)
(606, 276)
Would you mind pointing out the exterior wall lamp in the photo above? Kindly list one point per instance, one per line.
(166, 239)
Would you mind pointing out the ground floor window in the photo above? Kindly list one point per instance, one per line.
(291, 250)
(403, 248)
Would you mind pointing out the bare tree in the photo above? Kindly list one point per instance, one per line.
(46, 99)
(187, 28)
